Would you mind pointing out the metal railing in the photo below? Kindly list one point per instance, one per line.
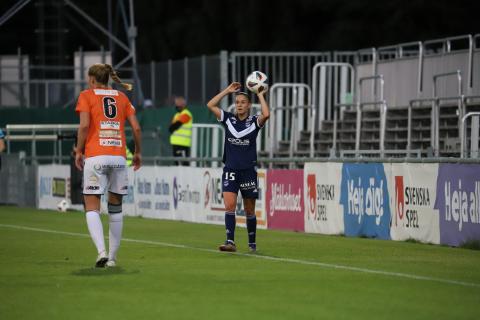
(474, 135)
(383, 109)
(333, 83)
(297, 120)
(34, 133)
(436, 106)
(381, 153)
(333, 151)
(207, 141)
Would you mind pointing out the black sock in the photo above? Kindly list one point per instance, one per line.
(251, 228)
(230, 225)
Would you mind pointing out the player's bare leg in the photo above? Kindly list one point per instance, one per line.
(230, 200)
(95, 227)
(249, 206)
(115, 223)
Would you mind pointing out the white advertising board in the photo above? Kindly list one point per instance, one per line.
(412, 189)
(53, 185)
(323, 212)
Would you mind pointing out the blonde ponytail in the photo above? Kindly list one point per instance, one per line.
(116, 78)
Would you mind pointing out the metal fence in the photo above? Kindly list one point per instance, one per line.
(406, 70)
(17, 181)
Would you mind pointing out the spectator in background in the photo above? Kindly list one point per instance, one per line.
(2, 145)
(147, 104)
(2, 141)
(181, 131)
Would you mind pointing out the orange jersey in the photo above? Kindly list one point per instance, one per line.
(108, 111)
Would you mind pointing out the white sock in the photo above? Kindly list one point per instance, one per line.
(96, 230)
(115, 234)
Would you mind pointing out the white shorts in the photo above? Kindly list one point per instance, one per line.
(101, 172)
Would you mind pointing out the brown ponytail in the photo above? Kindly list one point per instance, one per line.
(114, 76)
(101, 72)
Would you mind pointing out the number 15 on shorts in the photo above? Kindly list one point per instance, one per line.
(230, 176)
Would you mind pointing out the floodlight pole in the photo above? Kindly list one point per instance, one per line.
(13, 10)
(97, 25)
(131, 34)
(130, 28)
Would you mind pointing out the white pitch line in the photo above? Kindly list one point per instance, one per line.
(289, 260)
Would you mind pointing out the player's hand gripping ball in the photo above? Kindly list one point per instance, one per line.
(257, 82)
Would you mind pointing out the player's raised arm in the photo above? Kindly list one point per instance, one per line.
(213, 104)
(265, 110)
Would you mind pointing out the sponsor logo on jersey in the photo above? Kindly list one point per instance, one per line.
(248, 185)
(110, 134)
(239, 142)
(113, 166)
(104, 92)
(93, 188)
(110, 142)
(115, 125)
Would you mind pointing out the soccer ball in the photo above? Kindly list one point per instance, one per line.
(257, 82)
(63, 205)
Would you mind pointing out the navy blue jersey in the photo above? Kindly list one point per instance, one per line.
(240, 148)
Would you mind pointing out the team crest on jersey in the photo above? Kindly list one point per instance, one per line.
(93, 179)
(233, 120)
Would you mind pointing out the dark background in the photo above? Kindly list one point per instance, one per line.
(175, 29)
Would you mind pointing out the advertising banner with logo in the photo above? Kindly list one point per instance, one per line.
(153, 192)
(187, 187)
(53, 185)
(365, 199)
(412, 195)
(129, 203)
(284, 201)
(458, 202)
(323, 212)
(212, 209)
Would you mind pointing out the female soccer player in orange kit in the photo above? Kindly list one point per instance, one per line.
(100, 153)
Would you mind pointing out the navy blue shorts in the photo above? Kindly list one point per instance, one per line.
(243, 180)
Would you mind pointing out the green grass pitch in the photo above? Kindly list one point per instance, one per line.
(171, 270)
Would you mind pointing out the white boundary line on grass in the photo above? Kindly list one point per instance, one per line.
(295, 261)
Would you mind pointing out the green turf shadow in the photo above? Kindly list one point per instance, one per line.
(101, 272)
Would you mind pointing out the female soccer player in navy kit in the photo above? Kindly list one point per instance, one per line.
(240, 159)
